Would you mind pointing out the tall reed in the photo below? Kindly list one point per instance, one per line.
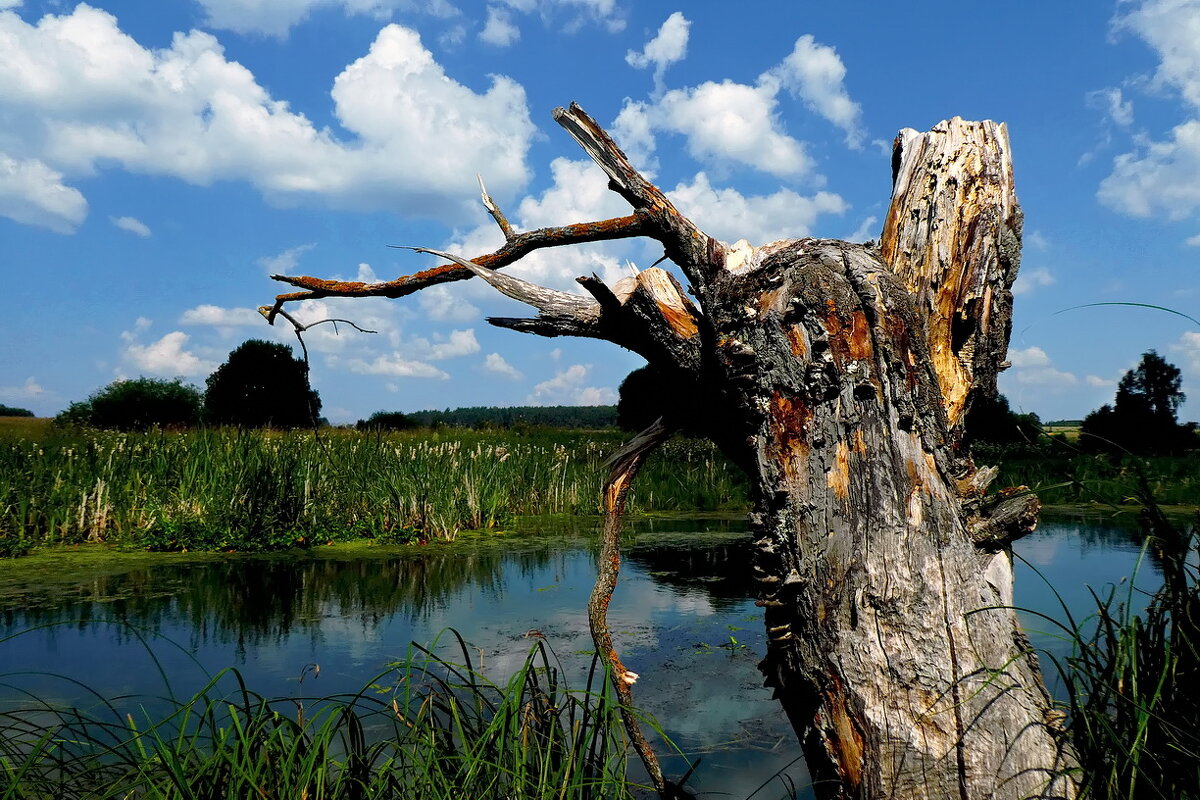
(229, 489)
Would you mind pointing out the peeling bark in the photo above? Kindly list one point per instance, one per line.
(837, 376)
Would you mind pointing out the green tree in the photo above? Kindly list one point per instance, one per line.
(262, 384)
(9, 411)
(138, 404)
(1142, 418)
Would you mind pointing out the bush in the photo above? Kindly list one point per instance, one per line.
(137, 405)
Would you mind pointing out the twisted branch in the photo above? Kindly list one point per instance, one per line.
(624, 465)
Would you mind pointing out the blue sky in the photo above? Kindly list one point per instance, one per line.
(159, 160)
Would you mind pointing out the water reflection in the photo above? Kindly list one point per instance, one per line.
(683, 614)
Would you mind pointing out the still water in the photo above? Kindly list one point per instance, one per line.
(683, 615)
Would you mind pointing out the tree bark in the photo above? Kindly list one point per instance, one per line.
(837, 376)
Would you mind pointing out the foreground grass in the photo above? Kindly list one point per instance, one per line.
(431, 728)
(1131, 680)
(249, 490)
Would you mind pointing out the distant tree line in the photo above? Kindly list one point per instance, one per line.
(261, 384)
(586, 417)
(9, 411)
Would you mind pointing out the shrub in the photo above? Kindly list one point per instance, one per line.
(137, 405)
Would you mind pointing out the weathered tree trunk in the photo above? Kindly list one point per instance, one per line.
(837, 376)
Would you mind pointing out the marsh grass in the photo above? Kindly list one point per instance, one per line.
(431, 727)
(1101, 479)
(250, 490)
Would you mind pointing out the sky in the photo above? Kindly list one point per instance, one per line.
(160, 160)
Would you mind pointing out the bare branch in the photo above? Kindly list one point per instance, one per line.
(696, 253)
(519, 246)
(300, 328)
(598, 289)
(494, 210)
(547, 301)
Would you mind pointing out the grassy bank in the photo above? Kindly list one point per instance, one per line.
(249, 490)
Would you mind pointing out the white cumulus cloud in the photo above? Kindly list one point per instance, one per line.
(1030, 279)
(76, 91)
(278, 17)
(730, 215)
(457, 344)
(499, 29)
(397, 366)
(494, 362)
(735, 123)
(445, 304)
(572, 15)
(284, 262)
(814, 73)
(1114, 105)
(668, 47)
(1028, 357)
(34, 194)
(29, 390)
(1189, 346)
(221, 317)
(1032, 367)
(1163, 176)
(168, 357)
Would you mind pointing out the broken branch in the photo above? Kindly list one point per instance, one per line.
(494, 209)
(624, 466)
(696, 253)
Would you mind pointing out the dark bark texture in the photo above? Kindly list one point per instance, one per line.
(838, 375)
